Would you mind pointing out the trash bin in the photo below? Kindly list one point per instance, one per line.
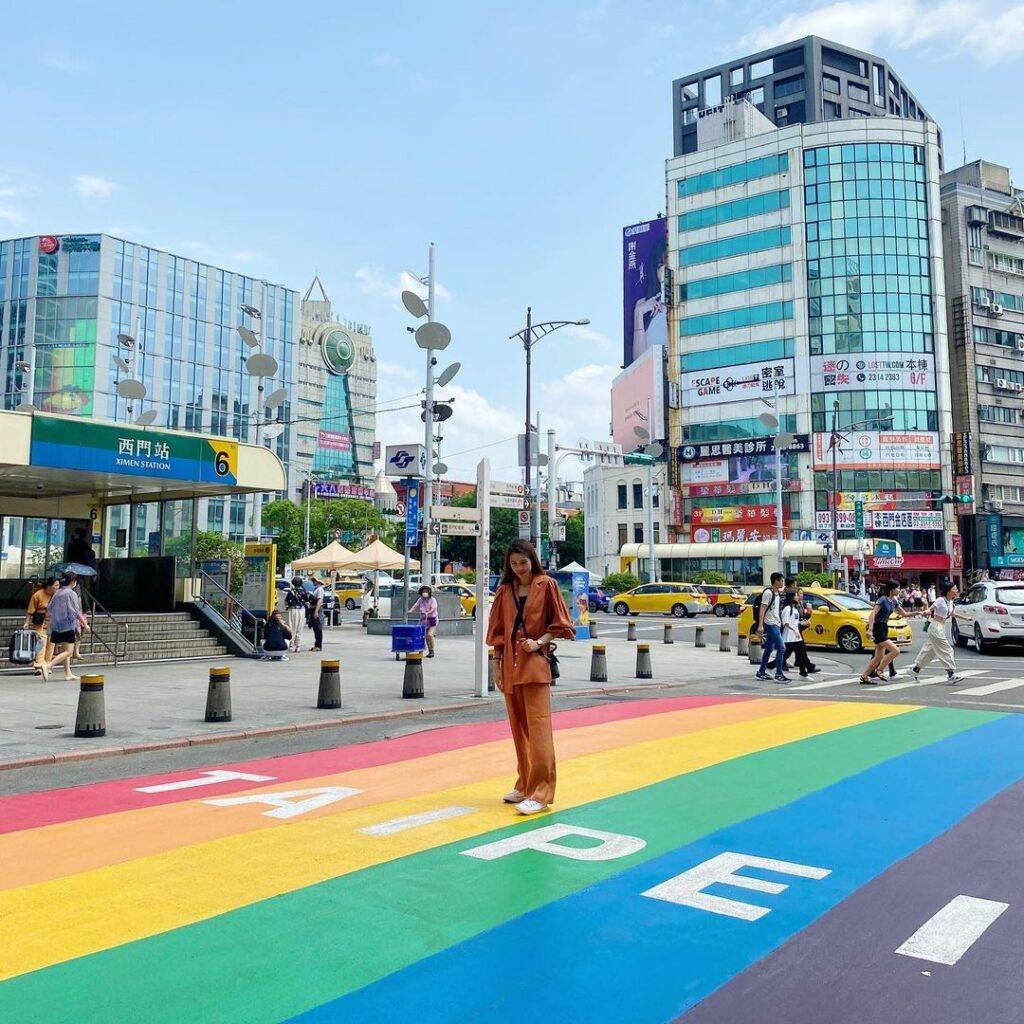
(406, 638)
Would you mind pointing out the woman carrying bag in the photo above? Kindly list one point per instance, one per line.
(792, 626)
(426, 605)
(528, 614)
(936, 638)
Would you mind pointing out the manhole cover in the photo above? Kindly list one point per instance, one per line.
(57, 726)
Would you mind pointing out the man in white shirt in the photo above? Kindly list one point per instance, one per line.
(769, 628)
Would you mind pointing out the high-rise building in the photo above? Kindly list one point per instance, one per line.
(66, 299)
(808, 282)
(802, 82)
(337, 398)
(983, 227)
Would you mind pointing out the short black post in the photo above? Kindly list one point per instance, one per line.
(329, 694)
(643, 662)
(218, 695)
(598, 664)
(91, 719)
(412, 683)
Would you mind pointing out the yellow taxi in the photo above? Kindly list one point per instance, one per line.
(837, 619)
(349, 591)
(679, 599)
(465, 593)
(725, 599)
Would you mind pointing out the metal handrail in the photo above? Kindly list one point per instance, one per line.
(235, 614)
(95, 604)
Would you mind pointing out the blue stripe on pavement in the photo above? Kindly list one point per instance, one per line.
(610, 954)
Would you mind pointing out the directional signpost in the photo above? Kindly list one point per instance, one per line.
(505, 495)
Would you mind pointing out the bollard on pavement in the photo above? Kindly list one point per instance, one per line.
(598, 664)
(92, 715)
(668, 633)
(491, 670)
(723, 641)
(218, 695)
(593, 628)
(643, 662)
(741, 646)
(412, 684)
(698, 636)
(329, 694)
(754, 651)
(630, 630)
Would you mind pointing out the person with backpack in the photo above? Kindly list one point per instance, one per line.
(936, 639)
(768, 616)
(295, 607)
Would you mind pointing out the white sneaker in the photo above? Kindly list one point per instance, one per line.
(514, 797)
(530, 807)
(955, 678)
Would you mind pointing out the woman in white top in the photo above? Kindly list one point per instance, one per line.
(792, 609)
(936, 640)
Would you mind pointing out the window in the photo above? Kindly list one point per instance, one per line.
(638, 533)
(690, 115)
(733, 175)
(879, 83)
(713, 91)
(830, 84)
(833, 111)
(990, 374)
(736, 76)
(688, 92)
(1006, 263)
(879, 410)
(998, 414)
(655, 498)
(1008, 300)
(623, 535)
(758, 352)
(857, 92)
(622, 496)
(755, 96)
(638, 495)
(741, 280)
(762, 68)
(657, 533)
(974, 243)
(857, 112)
(992, 336)
(789, 86)
(1002, 453)
(730, 319)
(738, 209)
(844, 62)
(735, 245)
(729, 430)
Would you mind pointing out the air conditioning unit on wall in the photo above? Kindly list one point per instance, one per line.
(1001, 382)
(1020, 344)
(997, 310)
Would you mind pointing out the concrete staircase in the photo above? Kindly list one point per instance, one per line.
(163, 636)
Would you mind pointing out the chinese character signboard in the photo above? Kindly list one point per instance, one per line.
(334, 441)
(736, 383)
(412, 513)
(131, 451)
(644, 319)
(734, 534)
(258, 590)
(879, 450)
(882, 519)
(962, 454)
(324, 489)
(912, 372)
(744, 446)
(733, 514)
(858, 519)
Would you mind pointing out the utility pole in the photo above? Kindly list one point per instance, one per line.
(427, 560)
(552, 499)
(834, 445)
(536, 494)
(528, 345)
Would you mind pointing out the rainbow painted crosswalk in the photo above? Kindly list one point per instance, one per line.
(696, 842)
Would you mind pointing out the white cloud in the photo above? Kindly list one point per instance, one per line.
(92, 187)
(991, 29)
(9, 211)
(584, 332)
(396, 370)
(372, 281)
(578, 405)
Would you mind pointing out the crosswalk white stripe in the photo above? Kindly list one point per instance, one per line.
(925, 681)
(824, 684)
(984, 691)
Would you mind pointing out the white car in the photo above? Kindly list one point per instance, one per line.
(990, 613)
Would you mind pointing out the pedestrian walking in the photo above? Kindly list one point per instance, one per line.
(528, 614)
(37, 618)
(426, 605)
(315, 619)
(886, 650)
(276, 636)
(66, 618)
(793, 624)
(295, 608)
(936, 638)
(769, 627)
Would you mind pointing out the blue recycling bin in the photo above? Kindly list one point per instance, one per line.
(407, 638)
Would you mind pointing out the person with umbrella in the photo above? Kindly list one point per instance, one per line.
(66, 617)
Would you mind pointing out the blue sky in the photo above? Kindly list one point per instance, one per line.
(340, 139)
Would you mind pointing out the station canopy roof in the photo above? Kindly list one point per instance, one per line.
(51, 457)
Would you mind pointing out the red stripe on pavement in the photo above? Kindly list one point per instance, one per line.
(33, 810)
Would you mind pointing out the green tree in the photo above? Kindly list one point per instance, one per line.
(208, 545)
(619, 582)
(571, 549)
(504, 530)
(287, 522)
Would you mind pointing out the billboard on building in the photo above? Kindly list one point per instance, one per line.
(737, 383)
(639, 392)
(868, 371)
(645, 319)
(879, 450)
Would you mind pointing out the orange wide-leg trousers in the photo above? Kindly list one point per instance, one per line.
(529, 716)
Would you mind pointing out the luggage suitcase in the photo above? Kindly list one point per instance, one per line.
(24, 645)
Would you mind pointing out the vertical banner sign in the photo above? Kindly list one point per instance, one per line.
(644, 316)
(483, 577)
(412, 512)
(994, 529)
(258, 590)
(962, 454)
(858, 515)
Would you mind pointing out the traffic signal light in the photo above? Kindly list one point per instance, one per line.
(956, 499)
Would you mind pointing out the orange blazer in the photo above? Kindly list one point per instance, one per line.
(545, 612)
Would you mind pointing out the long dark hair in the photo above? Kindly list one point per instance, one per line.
(521, 547)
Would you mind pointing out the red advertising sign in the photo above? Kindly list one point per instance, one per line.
(729, 534)
(713, 490)
(956, 558)
(733, 515)
(48, 244)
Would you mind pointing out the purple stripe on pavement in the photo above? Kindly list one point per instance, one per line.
(843, 969)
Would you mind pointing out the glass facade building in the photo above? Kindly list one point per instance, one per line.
(830, 299)
(64, 301)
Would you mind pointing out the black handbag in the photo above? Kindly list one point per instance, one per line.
(552, 661)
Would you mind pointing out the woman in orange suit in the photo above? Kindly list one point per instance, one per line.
(527, 615)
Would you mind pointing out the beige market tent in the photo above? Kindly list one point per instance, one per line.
(329, 559)
(378, 556)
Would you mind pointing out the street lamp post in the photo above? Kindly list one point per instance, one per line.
(783, 439)
(653, 450)
(529, 336)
